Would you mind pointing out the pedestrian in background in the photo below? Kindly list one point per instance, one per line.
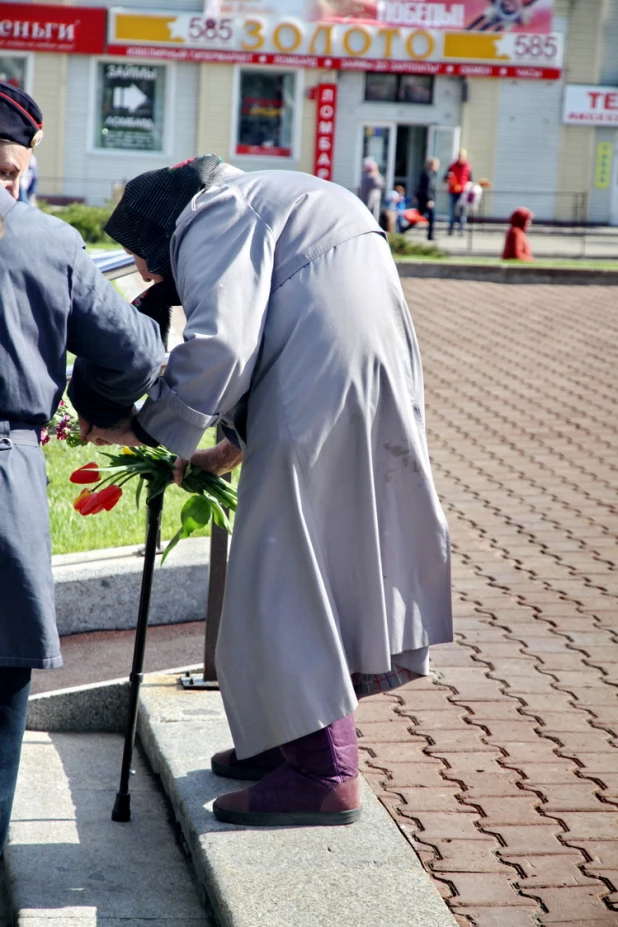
(457, 176)
(426, 194)
(29, 183)
(52, 299)
(372, 185)
(516, 245)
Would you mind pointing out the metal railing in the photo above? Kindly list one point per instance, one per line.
(114, 265)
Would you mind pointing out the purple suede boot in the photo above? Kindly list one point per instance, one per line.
(226, 763)
(318, 784)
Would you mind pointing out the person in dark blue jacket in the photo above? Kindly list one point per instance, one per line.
(52, 299)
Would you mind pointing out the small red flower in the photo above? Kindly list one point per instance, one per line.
(89, 473)
(109, 496)
(81, 500)
(92, 505)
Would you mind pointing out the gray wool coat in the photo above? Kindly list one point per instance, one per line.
(299, 335)
(52, 297)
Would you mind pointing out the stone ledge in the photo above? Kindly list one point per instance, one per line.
(99, 590)
(508, 273)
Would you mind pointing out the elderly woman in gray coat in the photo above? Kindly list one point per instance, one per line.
(299, 341)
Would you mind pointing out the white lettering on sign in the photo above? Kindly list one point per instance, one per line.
(590, 105)
(325, 130)
(430, 15)
(131, 72)
(22, 29)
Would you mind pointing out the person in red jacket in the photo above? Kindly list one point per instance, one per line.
(457, 176)
(516, 245)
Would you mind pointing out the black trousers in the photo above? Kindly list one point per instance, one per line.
(14, 691)
(429, 213)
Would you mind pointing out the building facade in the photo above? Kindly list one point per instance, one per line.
(306, 85)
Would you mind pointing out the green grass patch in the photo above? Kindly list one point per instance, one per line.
(88, 220)
(402, 246)
(124, 525)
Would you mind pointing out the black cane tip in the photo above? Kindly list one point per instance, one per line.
(122, 808)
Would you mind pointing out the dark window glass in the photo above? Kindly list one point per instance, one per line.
(381, 87)
(415, 88)
(266, 113)
(399, 88)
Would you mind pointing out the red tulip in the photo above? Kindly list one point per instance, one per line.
(109, 496)
(92, 505)
(89, 473)
(81, 500)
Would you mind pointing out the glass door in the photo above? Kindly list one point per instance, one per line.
(443, 143)
(378, 143)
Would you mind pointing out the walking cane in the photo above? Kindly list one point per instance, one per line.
(122, 805)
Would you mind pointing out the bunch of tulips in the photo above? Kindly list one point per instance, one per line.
(210, 495)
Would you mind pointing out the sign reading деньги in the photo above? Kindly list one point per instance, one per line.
(49, 28)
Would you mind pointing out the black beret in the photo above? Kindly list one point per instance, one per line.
(21, 120)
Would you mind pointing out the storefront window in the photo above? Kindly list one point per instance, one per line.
(13, 70)
(399, 88)
(266, 113)
(130, 99)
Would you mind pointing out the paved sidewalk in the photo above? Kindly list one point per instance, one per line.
(594, 244)
(502, 769)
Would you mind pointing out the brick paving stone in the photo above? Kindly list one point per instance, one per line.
(584, 742)
(508, 732)
(494, 888)
(593, 764)
(466, 740)
(409, 775)
(590, 825)
(432, 799)
(550, 872)
(534, 840)
(521, 810)
(558, 722)
(472, 763)
(400, 752)
(486, 785)
(396, 730)
(439, 825)
(569, 902)
(498, 917)
(449, 720)
(584, 797)
(468, 856)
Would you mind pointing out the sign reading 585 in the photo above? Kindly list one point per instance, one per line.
(209, 30)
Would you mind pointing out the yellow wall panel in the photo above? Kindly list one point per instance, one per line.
(49, 91)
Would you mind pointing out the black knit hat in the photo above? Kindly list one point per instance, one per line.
(144, 220)
(21, 120)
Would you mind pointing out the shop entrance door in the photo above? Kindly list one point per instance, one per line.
(410, 149)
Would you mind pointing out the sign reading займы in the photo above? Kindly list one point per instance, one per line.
(350, 45)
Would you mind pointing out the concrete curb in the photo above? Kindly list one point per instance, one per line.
(508, 273)
(309, 877)
(99, 590)
(367, 873)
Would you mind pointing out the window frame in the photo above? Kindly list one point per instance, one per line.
(29, 71)
(296, 119)
(168, 100)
